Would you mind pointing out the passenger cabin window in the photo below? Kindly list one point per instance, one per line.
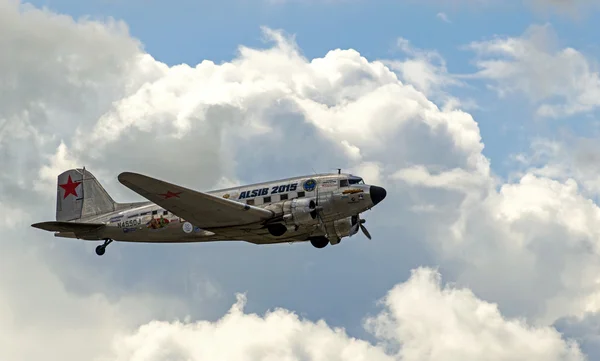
(301, 194)
(165, 213)
(283, 197)
(356, 181)
(343, 183)
(154, 212)
(267, 200)
(250, 202)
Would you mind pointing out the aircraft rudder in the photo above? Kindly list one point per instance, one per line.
(80, 195)
(69, 195)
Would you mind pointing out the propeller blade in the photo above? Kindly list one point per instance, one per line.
(317, 211)
(354, 230)
(358, 222)
(364, 229)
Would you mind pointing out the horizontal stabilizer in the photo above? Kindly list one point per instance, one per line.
(67, 226)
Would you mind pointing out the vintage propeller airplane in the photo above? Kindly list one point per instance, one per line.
(320, 208)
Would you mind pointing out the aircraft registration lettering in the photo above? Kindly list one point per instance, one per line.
(266, 191)
(130, 223)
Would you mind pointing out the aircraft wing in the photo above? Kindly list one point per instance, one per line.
(201, 209)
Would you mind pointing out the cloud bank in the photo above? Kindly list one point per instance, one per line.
(521, 255)
(429, 321)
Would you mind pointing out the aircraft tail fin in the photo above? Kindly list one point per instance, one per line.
(80, 195)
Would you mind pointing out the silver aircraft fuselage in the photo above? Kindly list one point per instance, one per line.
(340, 196)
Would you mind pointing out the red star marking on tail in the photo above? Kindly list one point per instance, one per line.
(170, 194)
(70, 187)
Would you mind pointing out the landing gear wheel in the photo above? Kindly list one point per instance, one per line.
(101, 249)
(319, 242)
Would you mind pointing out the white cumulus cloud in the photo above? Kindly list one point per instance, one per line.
(428, 322)
(560, 82)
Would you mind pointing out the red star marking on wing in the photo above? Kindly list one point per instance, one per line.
(170, 194)
(70, 187)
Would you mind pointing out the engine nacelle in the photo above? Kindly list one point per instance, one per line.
(300, 212)
(344, 227)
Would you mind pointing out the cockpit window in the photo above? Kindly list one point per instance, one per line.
(355, 181)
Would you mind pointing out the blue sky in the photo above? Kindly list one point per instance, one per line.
(188, 32)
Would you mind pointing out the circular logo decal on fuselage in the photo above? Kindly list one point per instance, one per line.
(187, 227)
(310, 185)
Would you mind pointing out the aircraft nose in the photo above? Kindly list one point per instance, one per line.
(377, 194)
